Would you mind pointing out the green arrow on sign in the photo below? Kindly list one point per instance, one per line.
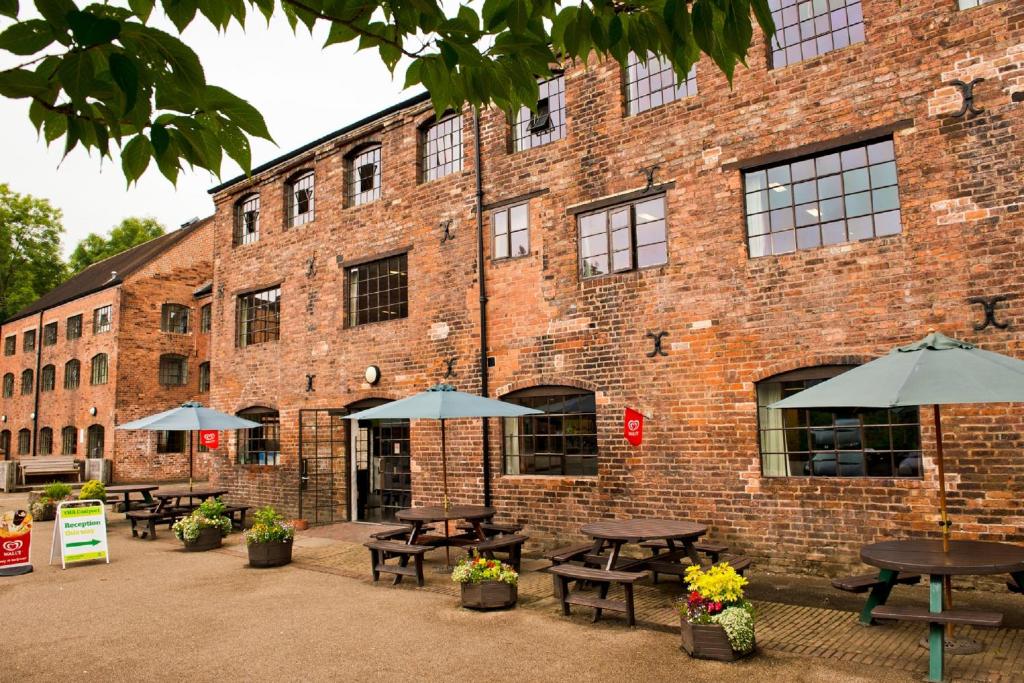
(80, 543)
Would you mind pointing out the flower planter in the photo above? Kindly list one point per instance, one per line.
(270, 554)
(708, 641)
(209, 538)
(489, 595)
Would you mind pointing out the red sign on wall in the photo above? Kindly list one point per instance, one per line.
(15, 539)
(633, 426)
(209, 438)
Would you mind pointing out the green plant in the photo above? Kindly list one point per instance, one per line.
(56, 490)
(716, 597)
(93, 490)
(738, 623)
(268, 525)
(478, 569)
(209, 514)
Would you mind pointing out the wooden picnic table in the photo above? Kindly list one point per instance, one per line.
(612, 534)
(126, 491)
(417, 517)
(166, 496)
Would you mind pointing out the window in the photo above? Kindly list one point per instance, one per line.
(174, 318)
(562, 441)
(205, 318)
(651, 83)
(26, 382)
(259, 445)
(170, 442)
(204, 377)
(73, 328)
(47, 378)
(50, 334)
(298, 199)
(830, 442)
(173, 370)
(72, 374)
(9, 385)
(548, 123)
(68, 441)
(101, 319)
(837, 196)
(378, 290)
(510, 227)
(247, 220)
(968, 4)
(28, 341)
(45, 444)
(10, 345)
(5, 443)
(364, 177)
(99, 369)
(441, 146)
(94, 442)
(808, 28)
(259, 317)
(624, 237)
(24, 441)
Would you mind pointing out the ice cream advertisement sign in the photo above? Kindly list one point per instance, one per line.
(15, 542)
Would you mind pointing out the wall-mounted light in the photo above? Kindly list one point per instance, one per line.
(31, 416)
(92, 411)
(372, 375)
(3, 418)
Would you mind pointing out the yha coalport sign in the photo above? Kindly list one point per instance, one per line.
(80, 532)
(633, 427)
(15, 542)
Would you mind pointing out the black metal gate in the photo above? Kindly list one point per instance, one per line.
(323, 476)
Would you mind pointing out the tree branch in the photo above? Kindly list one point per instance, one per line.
(399, 45)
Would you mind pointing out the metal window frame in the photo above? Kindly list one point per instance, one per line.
(173, 370)
(50, 385)
(607, 211)
(99, 374)
(73, 327)
(507, 210)
(354, 280)
(72, 379)
(549, 391)
(97, 314)
(656, 68)
(449, 130)
(48, 338)
(301, 181)
(69, 440)
(246, 438)
(167, 313)
(368, 155)
(248, 312)
(246, 224)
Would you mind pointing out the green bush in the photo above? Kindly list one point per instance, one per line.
(57, 490)
(210, 513)
(93, 490)
(268, 525)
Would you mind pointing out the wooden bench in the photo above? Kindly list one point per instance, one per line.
(491, 529)
(151, 519)
(958, 617)
(399, 533)
(862, 583)
(569, 553)
(381, 551)
(603, 579)
(236, 513)
(510, 545)
(47, 467)
(710, 548)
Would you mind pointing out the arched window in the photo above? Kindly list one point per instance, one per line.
(441, 147)
(94, 441)
(363, 176)
(247, 220)
(72, 374)
(830, 442)
(99, 369)
(561, 441)
(24, 441)
(26, 382)
(69, 440)
(173, 370)
(45, 441)
(47, 378)
(260, 445)
(5, 444)
(204, 377)
(298, 198)
(174, 318)
(9, 385)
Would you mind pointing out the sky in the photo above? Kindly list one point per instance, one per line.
(303, 91)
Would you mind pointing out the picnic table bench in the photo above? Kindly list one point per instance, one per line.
(46, 466)
(151, 518)
(509, 545)
(491, 529)
(862, 583)
(603, 578)
(381, 551)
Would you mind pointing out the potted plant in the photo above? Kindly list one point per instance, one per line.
(205, 527)
(43, 506)
(715, 619)
(486, 584)
(269, 540)
(93, 490)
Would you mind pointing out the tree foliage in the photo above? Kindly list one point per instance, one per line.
(130, 233)
(101, 74)
(30, 261)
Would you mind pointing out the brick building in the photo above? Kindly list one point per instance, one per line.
(693, 252)
(126, 337)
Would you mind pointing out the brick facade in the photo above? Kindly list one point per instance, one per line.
(731, 320)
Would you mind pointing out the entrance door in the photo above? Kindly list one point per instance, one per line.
(322, 460)
(382, 481)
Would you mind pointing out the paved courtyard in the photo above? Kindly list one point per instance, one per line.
(158, 613)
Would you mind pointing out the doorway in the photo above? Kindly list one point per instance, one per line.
(381, 472)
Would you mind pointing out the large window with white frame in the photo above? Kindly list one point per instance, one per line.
(363, 176)
(246, 228)
(624, 237)
(298, 198)
(547, 123)
(510, 230)
(441, 147)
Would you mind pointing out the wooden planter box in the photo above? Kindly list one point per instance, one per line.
(708, 641)
(489, 595)
(209, 538)
(270, 554)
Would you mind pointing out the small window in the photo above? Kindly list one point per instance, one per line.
(247, 220)
(10, 345)
(24, 441)
(72, 374)
(204, 377)
(548, 123)
(99, 369)
(378, 291)
(259, 445)
(173, 370)
(45, 441)
(50, 334)
(5, 444)
(174, 318)
(101, 319)
(968, 4)
(562, 441)
(94, 441)
(69, 440)
(205, 318)
(47, 378)
(27, 377)
(170, 442)
(842, 195)
(651, 83)
(364, 177)
(73, 328)
(259, 317)
(808, 28)
(9, 385)
(28, 341)
(511, 232)
(441, 146)
(298, 193)
(625, 237)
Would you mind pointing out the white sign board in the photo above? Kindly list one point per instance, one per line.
(80, 532)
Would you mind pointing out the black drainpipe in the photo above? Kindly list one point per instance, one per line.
(35, 408)
(480, 271)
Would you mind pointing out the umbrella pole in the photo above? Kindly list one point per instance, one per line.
(444, 469)
(190, 461)
(947, 581)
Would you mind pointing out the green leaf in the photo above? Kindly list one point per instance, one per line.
(518, 14)
(89, 29)
(56, 12)
(54, 127)
(76, 74)
(9, 8)
(736, 29)
(240, 112)
(38, 114)
(126, 75)
(236, 145)
(142, 8)
(764, 17)
(561, 22)
(339, 33)
(15, 83)
(180, 12)
(160, 139)
(495, 12)
(26, 37)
